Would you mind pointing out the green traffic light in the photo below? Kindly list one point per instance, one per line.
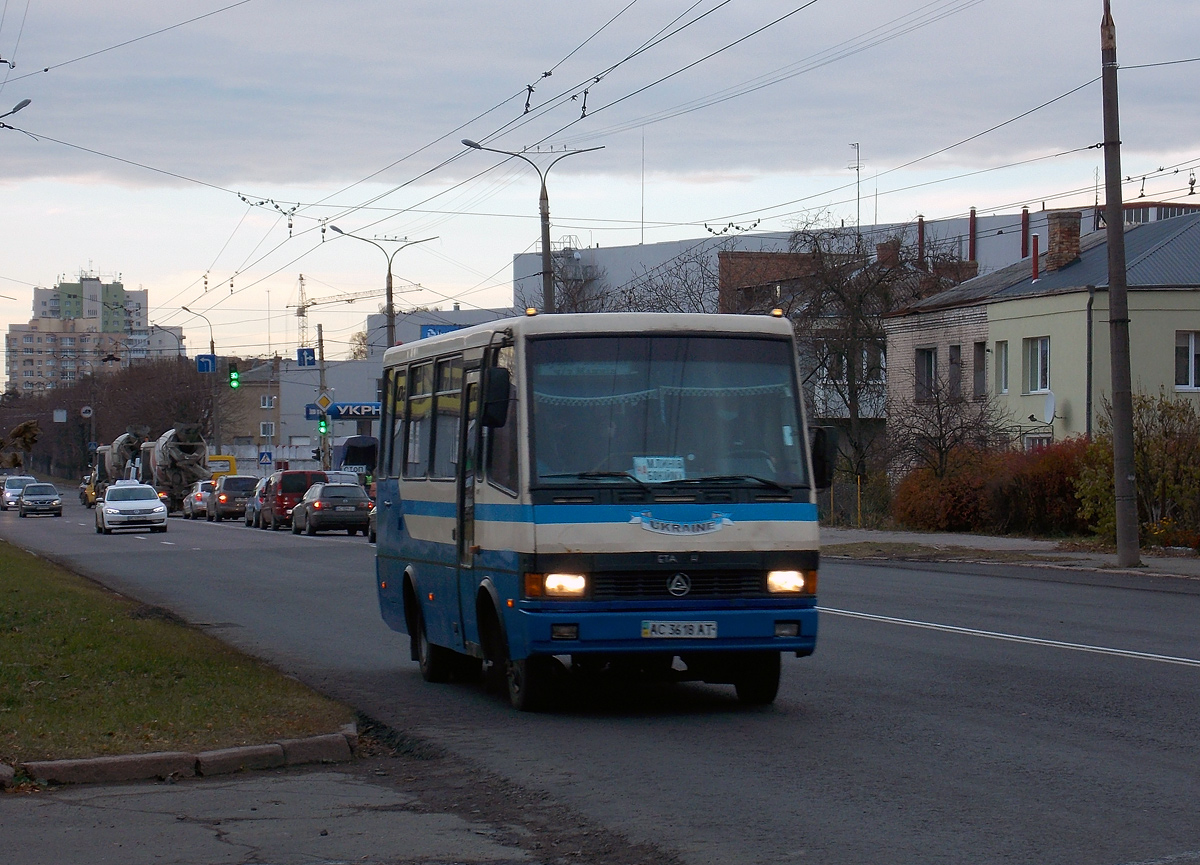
(235, 377)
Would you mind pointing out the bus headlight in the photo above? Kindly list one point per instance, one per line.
(555, 585)
(779, 582)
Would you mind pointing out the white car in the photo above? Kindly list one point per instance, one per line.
(13, 484)
(130, 505)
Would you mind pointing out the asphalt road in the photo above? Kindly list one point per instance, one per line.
(951, 713)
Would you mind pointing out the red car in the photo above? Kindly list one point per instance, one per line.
(283, 491)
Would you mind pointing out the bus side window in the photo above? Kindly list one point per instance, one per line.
(447, 412)
(502, 441)
(396, 395)
(420, 421)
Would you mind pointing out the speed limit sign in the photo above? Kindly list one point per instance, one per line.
(86, 411)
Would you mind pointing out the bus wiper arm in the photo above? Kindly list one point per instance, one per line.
(708, 478)
(590, 475)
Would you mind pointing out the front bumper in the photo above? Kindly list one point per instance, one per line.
(741, 628)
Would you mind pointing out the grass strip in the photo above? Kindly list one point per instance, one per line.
(85, 672)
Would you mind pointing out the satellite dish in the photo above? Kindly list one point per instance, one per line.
(1048, 411)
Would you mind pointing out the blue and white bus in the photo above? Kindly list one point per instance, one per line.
(603, 491)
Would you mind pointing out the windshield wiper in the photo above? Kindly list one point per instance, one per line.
(710, 478)
(590, 475)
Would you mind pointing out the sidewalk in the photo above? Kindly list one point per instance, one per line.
(1012, 550)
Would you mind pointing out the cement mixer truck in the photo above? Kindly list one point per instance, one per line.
(174, 462)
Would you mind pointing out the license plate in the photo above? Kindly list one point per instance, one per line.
(679, 630)
(340, 508)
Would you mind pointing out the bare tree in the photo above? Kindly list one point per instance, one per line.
(925, 429)
(837, 299)
(688, 282)
(359, 349)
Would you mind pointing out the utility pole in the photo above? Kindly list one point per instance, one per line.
(857, 166)
(1124, 480)
(321, 366)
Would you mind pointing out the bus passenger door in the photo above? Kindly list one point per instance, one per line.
(465, 478)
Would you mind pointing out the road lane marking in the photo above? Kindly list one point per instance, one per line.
(168, 543)
(1015, 638)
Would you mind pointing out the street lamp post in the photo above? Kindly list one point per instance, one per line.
(390, 308)
(212, 349)
(543, 210)
(169, 332)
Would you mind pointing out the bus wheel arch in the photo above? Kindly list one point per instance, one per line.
(410, 611)
(492, 636)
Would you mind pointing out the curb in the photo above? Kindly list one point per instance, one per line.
(170, 765)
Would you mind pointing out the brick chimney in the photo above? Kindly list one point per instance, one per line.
(888, 254)
(1063, 241)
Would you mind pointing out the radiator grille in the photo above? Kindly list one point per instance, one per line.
(652, 585)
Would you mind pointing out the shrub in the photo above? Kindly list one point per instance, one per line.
(1166, 459)
(997, 491)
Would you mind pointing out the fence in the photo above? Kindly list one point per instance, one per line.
(856, 502)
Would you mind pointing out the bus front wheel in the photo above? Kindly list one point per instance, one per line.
(436, 662)
(528, 682)
(757, 682)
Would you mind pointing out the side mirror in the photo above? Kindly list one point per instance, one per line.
(496, 386)
(824, 455)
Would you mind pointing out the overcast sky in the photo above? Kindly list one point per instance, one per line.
(141, 157)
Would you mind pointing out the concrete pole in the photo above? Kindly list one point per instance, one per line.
(1118, 304)
(547, 263)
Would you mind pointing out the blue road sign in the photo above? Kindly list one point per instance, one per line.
(428, 330)
(312, 411)
(362, 410)
(206, 363)
(306, 357)
(265, 458)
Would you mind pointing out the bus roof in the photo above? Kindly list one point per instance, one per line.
(580, 323)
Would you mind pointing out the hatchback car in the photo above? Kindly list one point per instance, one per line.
(284, 489)
(332, 506)
(254, 503)
(229, 497)
(13, 484)
(39, 499)
(130, 505)
(195, 501)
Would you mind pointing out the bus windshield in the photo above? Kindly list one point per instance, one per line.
(664, 409)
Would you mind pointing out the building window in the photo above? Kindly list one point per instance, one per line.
(1002, 366)
(1037, 441)
(266, 429)
(28, 339)
(266, 401)
(979, 371)
(954, 385)
(1187, 359)
(926, 373)
(1037, 364)
(68, 340)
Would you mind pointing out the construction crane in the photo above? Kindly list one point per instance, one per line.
(306, 302)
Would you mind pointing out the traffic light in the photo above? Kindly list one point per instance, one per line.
(317, 454)
(235, 377)
(323, 425)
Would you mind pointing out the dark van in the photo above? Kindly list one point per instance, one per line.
(282, 492)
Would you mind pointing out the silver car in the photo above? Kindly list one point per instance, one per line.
(130, 505)
(39, 499)
(13, 484)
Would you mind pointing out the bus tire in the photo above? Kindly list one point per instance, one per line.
(757, 681)
(467, 668)
(436, 662)
(528, 682)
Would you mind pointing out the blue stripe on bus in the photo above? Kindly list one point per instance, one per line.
(567, 514)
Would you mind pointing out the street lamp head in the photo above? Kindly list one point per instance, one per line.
(185, 309)
(469, 143)
(335, 228)
(20, 105)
